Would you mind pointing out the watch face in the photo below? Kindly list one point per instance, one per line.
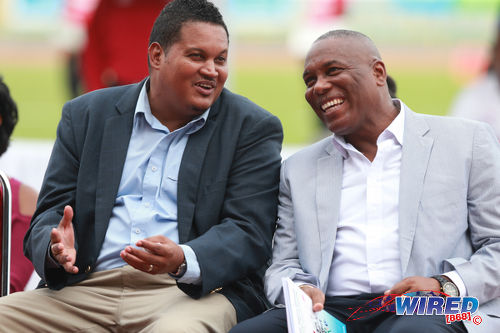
(450, 289)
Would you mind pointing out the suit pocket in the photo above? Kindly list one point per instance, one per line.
(444, 212)
(445, 196)
(444, 187)
(444, 201)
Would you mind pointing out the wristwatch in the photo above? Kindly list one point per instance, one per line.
(180, 270)
(447, 286)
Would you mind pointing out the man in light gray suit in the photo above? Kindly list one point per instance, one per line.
(394, 202)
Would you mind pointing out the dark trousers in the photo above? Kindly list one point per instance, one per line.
(360, 314)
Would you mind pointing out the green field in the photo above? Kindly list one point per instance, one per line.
(40, 93)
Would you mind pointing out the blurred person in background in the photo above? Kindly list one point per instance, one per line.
(23, 198)
(481, 99)
(392, 87)
(117, 35)
(71, 38)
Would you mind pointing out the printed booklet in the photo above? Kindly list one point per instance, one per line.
(300, 316)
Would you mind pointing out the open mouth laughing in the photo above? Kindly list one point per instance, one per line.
(332, 104)
(206, 87)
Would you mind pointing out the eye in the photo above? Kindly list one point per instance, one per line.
(309, 81)
(220, 60)
(195, 56)
(333, 70)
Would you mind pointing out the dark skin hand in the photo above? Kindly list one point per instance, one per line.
(155, 255)
(316, 295)
(412, 284)
(407, 285)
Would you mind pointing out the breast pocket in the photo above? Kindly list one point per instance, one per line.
(445, 209)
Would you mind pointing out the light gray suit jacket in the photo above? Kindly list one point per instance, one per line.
(449, 210)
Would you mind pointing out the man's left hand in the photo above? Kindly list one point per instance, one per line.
(412, 284)
(158, 255)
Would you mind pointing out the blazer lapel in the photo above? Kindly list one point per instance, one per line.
(415, 157)
(328, 188)
(115, 140)
(189, 174)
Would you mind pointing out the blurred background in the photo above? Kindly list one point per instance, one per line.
(53, 50)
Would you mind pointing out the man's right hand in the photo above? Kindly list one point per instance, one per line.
(316, 295)
(62, 242)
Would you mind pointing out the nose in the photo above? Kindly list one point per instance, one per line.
(321, 86)
(209, 69)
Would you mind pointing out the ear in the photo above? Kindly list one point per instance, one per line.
(155, 55)
(379, 72)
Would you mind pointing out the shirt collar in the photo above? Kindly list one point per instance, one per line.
(143, 107)
(396, 128)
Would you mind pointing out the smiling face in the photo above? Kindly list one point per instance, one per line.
(188, 77)
(343, 76)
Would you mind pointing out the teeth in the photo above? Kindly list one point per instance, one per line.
(334, 102)
(206, 86)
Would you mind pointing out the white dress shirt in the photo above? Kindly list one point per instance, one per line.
(366, 257)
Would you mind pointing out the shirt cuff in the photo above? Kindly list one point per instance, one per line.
(457, 280)
(193, 273)
(300, 283)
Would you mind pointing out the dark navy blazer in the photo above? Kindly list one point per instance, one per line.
(227, 190)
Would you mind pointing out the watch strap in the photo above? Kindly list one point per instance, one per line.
(181, 270)
(442, 279)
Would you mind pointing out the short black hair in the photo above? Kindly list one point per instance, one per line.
(356, 35)
(342, 33)
(167, 27)
(8, 112)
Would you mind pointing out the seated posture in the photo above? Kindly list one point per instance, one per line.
(394, 202)
(23, 199)
(159, 203)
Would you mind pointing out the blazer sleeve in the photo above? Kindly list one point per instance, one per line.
(58, 190)
(481, 272)
(285, 262)
(240, 244)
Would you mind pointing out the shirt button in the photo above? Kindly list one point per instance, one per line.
(137, 231)
(87, 270)
(153, 168)
(147, 204)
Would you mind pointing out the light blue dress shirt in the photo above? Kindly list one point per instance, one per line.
(146, 202)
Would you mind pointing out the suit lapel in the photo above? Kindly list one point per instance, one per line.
(328, 189)
(115, 140)
(190, 171)
(415, 157)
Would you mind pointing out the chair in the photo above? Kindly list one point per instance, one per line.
(5, 228)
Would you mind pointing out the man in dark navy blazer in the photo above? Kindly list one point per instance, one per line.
(159, 202)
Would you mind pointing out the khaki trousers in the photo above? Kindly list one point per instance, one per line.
(119, 300)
